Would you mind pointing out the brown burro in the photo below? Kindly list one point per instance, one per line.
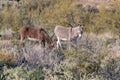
(35, 34)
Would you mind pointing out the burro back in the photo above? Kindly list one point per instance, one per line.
(67, 33)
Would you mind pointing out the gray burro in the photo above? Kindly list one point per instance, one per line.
(67, 33)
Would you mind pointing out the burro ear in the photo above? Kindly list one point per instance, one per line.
(82, 26)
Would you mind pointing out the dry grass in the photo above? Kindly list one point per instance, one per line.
(6, 44)
(33, 54)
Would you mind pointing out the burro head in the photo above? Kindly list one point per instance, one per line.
(79, 30)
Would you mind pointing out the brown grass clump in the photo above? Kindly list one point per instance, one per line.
(6, 58)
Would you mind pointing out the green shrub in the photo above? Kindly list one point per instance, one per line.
(24, 72)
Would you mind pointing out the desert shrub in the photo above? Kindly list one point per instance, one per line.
(90, 61)
(24, 72)
(3, 77)
(76, 66)
(111, 70)
(113, 45)
(6, 58)
(32, 54)
(62, 13)
(6, 45)
(11, 17)
(49, 13)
